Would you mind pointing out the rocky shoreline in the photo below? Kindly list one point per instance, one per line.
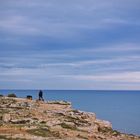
(23, 119)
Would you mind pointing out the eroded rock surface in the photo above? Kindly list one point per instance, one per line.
(54, 120)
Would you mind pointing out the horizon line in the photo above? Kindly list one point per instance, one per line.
(79, 89)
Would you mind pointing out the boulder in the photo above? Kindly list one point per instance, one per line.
(103, 123)
(6, 117)
(29, 97)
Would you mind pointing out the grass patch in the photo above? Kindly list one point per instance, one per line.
(116, 133)
(105, 129)
(3, 111)
(7, 101)
(44, 132)
(2, 137)
(77, 121)
(64, 125)
(109, 130)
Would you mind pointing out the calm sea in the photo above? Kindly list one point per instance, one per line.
(121, 108)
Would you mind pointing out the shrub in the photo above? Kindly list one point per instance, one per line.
(12, 95)
(1, 95)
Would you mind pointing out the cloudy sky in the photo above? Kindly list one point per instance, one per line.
(70, 44)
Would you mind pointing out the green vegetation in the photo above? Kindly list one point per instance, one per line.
(109, 130)
(116, 133)
(43, 132)
(4, 101)
(64, 125)
(3, 137)
(12, 95)
(2, 111)
(77, 121)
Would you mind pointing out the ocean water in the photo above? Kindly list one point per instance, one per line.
(121, 108)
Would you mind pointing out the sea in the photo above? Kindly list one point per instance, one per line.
(121, 108)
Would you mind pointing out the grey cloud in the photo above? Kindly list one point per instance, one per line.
(79, 21)
(53, 17)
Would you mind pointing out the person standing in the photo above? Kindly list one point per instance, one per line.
(41, 95)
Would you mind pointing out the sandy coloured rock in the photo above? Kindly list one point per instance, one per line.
(54, 120)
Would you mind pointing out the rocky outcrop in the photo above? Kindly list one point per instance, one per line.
(53, 120)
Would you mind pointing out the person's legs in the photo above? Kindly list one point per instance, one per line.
(39, 98)
(42, 98)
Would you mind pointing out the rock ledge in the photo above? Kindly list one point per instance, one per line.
(54, 120)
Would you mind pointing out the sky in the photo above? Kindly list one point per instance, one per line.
(70, 44)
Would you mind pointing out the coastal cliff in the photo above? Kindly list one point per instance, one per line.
(23, 119)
